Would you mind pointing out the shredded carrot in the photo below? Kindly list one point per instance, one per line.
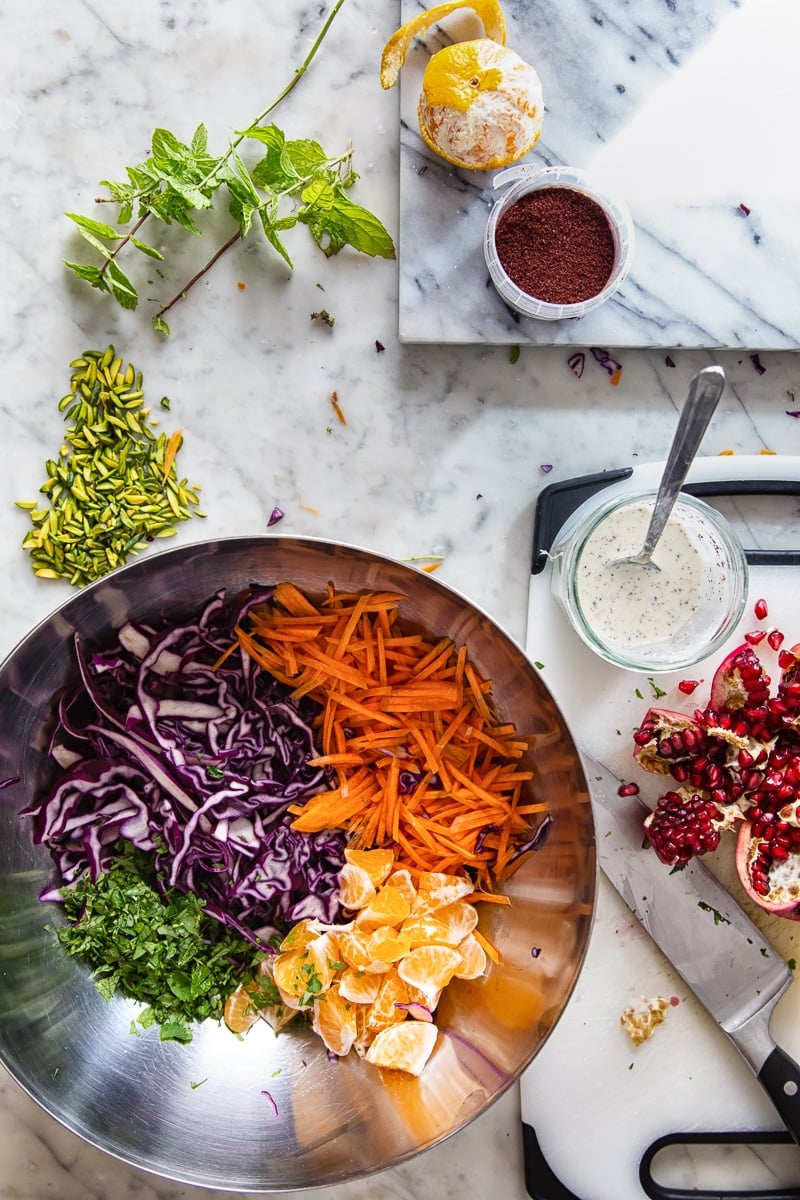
(489, 947)
(418, 758)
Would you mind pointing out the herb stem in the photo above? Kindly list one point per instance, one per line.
(232, 240)
(134, 229)
(290, 86)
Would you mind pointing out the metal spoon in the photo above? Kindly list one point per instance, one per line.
(704, 393)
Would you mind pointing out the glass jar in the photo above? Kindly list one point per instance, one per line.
(650, 618)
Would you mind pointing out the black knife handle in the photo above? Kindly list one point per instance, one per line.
(780, 1075)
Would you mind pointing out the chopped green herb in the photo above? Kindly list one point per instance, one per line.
(638, 694)
(324, 316)
(161, 950)
(718, 917)
(198, 1083)
(792, 963)
(513, 355)
(656, 690)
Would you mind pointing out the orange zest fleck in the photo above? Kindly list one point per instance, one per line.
(337, 408)
(615, 378)
(173, 446)
(418, 758)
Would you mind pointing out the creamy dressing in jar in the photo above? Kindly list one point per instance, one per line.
(630, 605)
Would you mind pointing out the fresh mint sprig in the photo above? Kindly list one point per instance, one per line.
(295, 182)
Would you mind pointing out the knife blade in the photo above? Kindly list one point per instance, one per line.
(736, 974)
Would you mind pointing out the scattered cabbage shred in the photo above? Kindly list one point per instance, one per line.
(194, 761)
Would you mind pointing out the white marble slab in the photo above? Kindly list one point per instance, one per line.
(445, 448)
(686, 111)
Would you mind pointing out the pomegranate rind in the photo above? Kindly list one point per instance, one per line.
(783, 898)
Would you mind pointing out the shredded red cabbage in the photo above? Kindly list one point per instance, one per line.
(196, 764)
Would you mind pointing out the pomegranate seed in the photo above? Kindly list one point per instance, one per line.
(687, 686)
(680, 829)
(760, 609)
(756, 636)
(785, 660)
(775, 639)
(628, 789)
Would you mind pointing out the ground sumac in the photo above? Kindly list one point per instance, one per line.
(555, 244)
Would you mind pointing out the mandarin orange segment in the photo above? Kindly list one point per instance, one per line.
(387, 945)
(240, 1010)
(301, 934)
(388, 907)
(353, 948)
(358, 987)
(405, 1047)
(435, 890)
(396, 49)
(401, 880)
(302, 974)
(429, 968)
(423, 929)
(459, 918)
(334, 1020)
(377, 863)
(473, 958)
(384, 1009)
(355, 886)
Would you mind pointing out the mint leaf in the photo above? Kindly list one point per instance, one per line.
(148, 250)
(199, 141)
(302, 158)
(98, 228)
(121, 286)
(91, 274)
(341, 222)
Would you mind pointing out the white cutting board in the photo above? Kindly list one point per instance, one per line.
(595, 1101)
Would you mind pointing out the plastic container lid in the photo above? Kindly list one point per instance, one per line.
(528, 179)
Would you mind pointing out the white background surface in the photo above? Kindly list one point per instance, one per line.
(444, 448)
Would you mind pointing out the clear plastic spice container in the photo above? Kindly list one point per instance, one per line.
(525, 179)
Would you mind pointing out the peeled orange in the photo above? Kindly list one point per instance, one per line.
(481, 104)
(385, 969)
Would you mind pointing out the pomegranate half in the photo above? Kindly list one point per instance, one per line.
(734, 764)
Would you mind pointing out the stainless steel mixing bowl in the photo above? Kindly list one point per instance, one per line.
(199, 1114)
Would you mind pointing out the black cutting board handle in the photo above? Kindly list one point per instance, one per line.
(558, 501)
(542, 1183)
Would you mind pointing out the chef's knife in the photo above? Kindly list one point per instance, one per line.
(724, 958)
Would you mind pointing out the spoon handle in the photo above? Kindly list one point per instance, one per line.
(704, 393)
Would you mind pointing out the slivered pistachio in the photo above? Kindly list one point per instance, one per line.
(114, 487)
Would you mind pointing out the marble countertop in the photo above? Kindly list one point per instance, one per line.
(444, 449)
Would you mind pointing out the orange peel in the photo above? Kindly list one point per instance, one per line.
(398, 45)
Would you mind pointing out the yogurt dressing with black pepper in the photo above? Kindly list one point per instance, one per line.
(629, 605)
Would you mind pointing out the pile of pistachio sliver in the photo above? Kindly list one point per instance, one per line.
(114, 487)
